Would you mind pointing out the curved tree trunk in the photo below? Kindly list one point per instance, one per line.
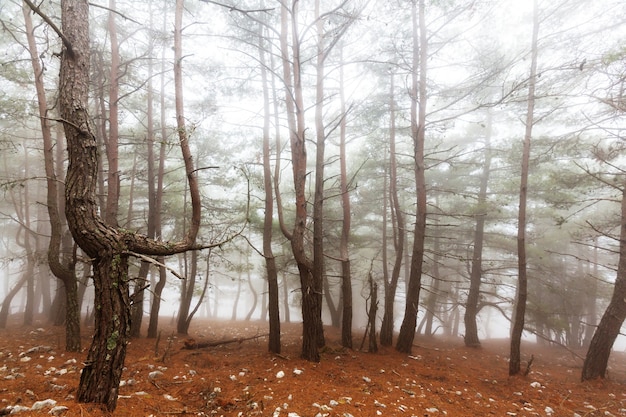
(109, 247)
(471, 305)
(597, 357)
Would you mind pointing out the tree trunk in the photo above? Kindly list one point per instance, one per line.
(522, 284)
(99, 380)
(112, 150)
(346, 273)
(268, 219)
(597, 357)
(471, 306)
(399, 235)
(158, 202)
(5, 309)
(418, 118)
(108, 247)
(311, 289)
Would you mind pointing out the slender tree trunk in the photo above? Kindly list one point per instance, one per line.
(158, 199)
(310, 287)
(597, 358)
(418, 118)
(346, 273)
(113, 176)
(522, 284)
(399, 235)
(5, 309)
(471, 306)
(268, 219)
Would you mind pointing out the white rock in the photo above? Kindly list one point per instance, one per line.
(297, 371)
(432, 410)
(58, 410)
(535, 384)
(280, 374)
(155, 374)
(549, 411)
(366, 379)
(169, 397)
(43, 404)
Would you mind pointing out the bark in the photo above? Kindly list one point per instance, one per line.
(418, 118)
(268, 219)
(311, 289)
(108, 247)
(186, 294)
(6, 303)
(522, 283)
(112, 151)
(346, 274)
(471, 306)
(399, 235)
(597, 358)
(371, 315)
(158, 203)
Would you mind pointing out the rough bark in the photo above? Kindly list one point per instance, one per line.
(108, 247)
(311, 289)
(522, 282)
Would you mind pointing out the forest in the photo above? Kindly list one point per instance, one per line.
(387, 169)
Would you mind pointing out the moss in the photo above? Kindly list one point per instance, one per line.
(112, 340)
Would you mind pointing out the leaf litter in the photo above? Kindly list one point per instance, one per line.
(440, 378)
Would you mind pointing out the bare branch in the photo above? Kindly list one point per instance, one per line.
(66, 42)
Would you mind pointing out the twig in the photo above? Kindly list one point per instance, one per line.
(154, 262)
(192, 344)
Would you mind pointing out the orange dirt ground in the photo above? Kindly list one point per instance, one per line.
(440, 378)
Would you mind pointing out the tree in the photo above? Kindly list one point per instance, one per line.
(60, 262)
(522, 280)
(399, 231)
(268, 219)
(471, 306)
(418, 128)
(597, 357)
(107, 246)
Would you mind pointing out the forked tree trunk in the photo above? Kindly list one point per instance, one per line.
(311, 288)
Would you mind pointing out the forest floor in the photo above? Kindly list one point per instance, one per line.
(440, 378)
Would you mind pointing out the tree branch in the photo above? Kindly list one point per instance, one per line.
(66, 41)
